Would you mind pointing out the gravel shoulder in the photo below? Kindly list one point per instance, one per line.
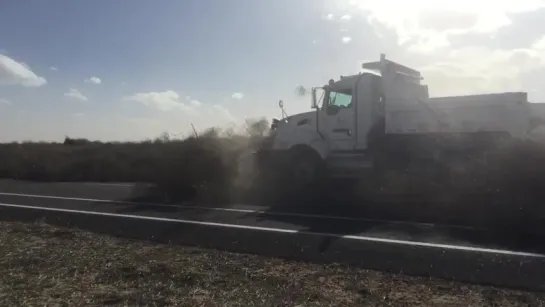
(49, 266)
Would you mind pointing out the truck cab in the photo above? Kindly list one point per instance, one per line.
(348, 110)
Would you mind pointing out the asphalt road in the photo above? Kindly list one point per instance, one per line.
(445, 251)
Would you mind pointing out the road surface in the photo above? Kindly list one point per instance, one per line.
(444, 251)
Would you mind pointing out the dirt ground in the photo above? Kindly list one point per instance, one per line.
(46, 266)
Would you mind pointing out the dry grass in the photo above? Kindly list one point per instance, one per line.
(180, 167)
(121, 162)
(47, 266)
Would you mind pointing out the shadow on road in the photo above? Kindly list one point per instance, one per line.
(484, 237)
(383, 217)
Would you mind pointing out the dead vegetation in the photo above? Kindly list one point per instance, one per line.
(48, 266)
(182, 168)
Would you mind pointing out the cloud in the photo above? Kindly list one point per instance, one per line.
(74, 93)
(224, 112)
(429, 23)
(461, 47)
(5, 101)
(443, 20)
(15, 73)
(195, 103)
(346, 39)
(53, 68)
(480, 70)
(539, 44)
(164, 101)
(192, 102)
(141, 121)
(237, 96)
(93, 80)
(525, 28)
(428, 44)
(473, 70)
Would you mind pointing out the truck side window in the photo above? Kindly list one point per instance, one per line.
(340, 99)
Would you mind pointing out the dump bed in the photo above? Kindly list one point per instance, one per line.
(499, 112)
(408, 108)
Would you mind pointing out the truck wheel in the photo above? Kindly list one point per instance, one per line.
(305, 170)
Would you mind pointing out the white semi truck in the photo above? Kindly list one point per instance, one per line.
(383, 119)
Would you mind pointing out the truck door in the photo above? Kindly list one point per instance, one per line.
(370, 111)
(336, 122)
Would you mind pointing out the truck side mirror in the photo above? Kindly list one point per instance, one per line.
(314, 103)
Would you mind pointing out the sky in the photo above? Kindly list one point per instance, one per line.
(133, 69)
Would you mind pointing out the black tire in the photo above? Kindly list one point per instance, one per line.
(305, 171)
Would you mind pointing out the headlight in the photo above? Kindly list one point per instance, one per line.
(268, 141)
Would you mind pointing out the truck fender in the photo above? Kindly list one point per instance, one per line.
(306, 150)
(303, 138)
